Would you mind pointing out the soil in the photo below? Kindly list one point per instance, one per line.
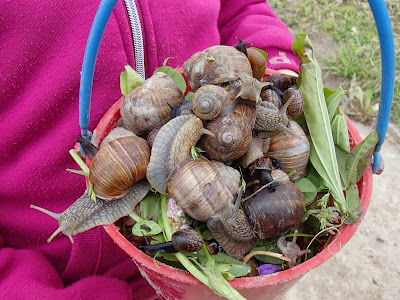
(368, 266)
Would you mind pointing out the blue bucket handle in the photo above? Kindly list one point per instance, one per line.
(386, 40)
(385, 32)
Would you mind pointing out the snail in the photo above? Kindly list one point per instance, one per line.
(215, 65)
(116, 173)
(198, 187)
(291, 249)
(186, 240)
(270, 95)
(281, 81)
(149, 105)
(256, 59)
(271, 120)
(171, 145)
(207, 101)
(296, 106)
(274, 213)
(258, 63)
(293, 153)
(232, 134)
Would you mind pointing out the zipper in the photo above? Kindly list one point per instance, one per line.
(137, 36)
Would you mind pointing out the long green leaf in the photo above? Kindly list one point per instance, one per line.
(361, 155)
(322, 154)
(340, 132)
(332, 101)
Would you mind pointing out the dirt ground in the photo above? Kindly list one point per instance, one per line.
(368, 266)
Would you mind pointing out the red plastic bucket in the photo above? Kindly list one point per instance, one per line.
(171, 283)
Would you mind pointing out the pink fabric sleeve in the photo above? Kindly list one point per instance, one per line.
(25, 274)
(255, 22)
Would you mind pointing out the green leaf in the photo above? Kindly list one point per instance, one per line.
(354, 205)
(322, 149)
(146, 228)
(174, 75)
(316, 179)
(265, 54)
(361, 155)
(340, 132)
(150, 208)
(80, 172)
(129, 80)
(342, 158)
(308, 189)
(195, 152)
(332, 101)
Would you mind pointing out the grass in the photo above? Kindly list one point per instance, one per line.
(351, 26)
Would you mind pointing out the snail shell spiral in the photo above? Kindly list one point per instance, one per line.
(208, 100)
(232, 134)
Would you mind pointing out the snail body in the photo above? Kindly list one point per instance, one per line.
(172, 145)
(85, 214)
(251, 88)
(149, 105)
(116, 173)
(270, 119)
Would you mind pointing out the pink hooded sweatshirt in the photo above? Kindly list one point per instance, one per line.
(42, 48)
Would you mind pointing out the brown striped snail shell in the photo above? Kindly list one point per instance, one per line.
(149, 105)
(215, 65)
(293, 153)
(117, 132)
(296, 106)
(270, 95)
(187, 240)
(198, 188)
(254, 152)
(229, 175)
(258, 63)
(208, 100)
(275, 213)
(117, 165)
(232, 134)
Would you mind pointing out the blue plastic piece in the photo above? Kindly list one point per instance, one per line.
(89, 60)
(385, 32)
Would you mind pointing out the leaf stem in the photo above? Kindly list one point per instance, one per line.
(135, 217)
(79, 161)
(266, 253)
